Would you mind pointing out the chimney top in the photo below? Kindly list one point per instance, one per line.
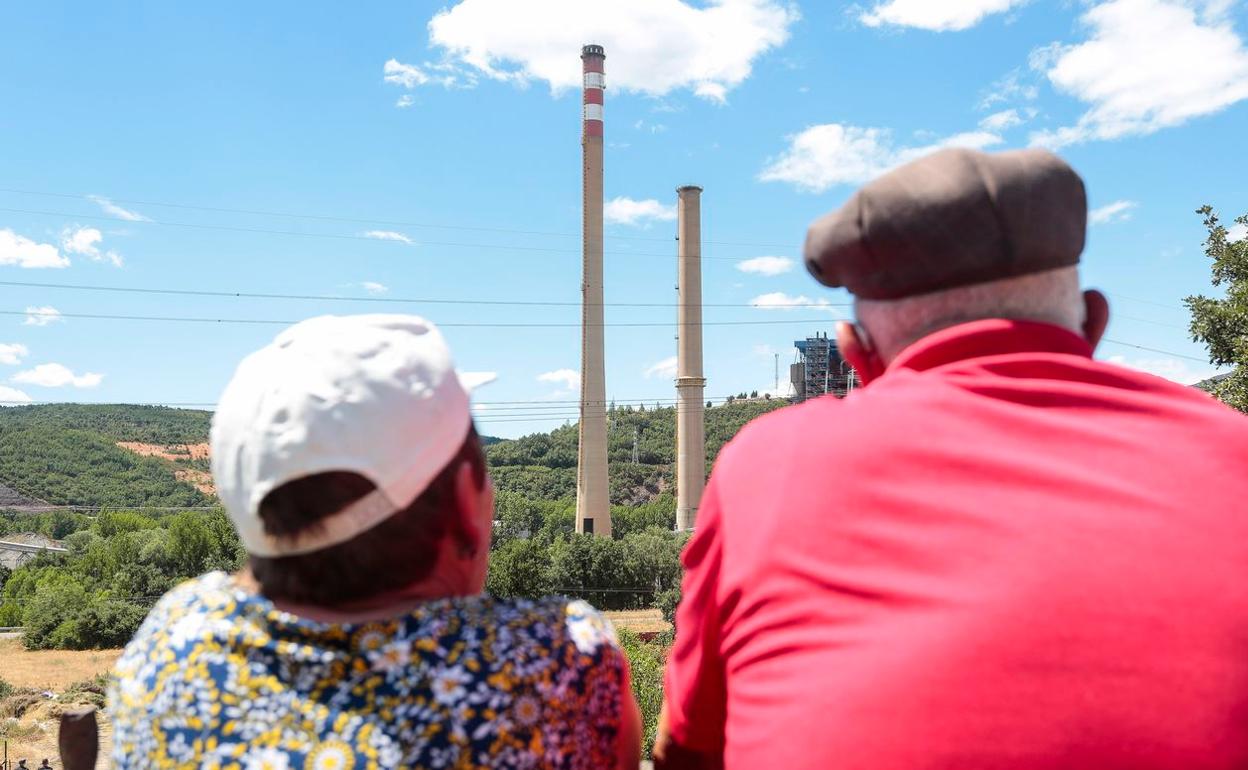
(593, 50)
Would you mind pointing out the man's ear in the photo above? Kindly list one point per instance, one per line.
(469, 499)
(858, 352)
(1096, 316)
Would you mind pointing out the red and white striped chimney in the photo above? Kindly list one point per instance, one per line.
(593, 58)
(593, 503)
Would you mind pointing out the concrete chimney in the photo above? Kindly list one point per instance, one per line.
(593, 503)
(690, 384)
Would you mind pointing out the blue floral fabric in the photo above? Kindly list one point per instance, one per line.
(217, 677)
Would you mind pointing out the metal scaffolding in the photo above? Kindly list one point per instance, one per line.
(819, 369)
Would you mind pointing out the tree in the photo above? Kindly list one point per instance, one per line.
(51, 619)
(518, 569)
(1222, 324)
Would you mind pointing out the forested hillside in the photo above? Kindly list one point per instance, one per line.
(543, 465)
(67, 454)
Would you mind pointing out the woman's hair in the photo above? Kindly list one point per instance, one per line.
(397, 552)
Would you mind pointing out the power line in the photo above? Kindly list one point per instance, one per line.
(467, 325)
(428, 301)
(1155, 350)
(534, 403)
(393, 223)
(316, 217)
(498, 325)
(341, 236)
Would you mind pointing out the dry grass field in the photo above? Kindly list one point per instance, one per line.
(50, 669)
(33, 735)
(647, 621)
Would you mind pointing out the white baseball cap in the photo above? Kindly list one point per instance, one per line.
(376, 395)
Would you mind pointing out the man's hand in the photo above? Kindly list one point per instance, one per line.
(669, 755)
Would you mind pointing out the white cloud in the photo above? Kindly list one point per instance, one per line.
(653, 47)
(999, 121)
(665, 369)
(1173, 369)
(474, 380)
(41, 316)
(1118, 211)
(85, 240)
(935, 15)
(1010, 88)
(831, 154)
(372, 287)
(626, 211)
(409, 76)
(112, 208)
(568, 378)
(778, 300)
(766, 265)
(21, 251)
(712, 92)
(654, 128)
(13, 354)
(386, 235)
(406, 75)
(405, 100)
(1147, 65)
(57, 376)
(10, 396)
(1236, 232)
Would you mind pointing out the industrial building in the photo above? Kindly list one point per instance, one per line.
(820, 369)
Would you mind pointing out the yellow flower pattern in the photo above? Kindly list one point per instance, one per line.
(219, 678)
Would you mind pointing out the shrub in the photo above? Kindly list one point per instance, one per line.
(109, 623)
(646, 662)
(87, 692)
(666, 602)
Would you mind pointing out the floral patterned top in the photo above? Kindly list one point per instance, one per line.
(217, 677)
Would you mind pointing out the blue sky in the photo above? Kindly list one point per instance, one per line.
(432, 152)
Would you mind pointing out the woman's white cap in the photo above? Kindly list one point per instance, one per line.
(376, 395)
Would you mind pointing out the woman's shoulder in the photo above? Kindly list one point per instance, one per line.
(558, 619)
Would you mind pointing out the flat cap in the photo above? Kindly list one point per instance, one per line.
(953, 218)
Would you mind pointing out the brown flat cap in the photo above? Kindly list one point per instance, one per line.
(953, 218)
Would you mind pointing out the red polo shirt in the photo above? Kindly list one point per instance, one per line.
(1001, 554)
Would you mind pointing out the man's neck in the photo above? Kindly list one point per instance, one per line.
(383, 606)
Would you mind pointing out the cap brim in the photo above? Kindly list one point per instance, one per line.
(470, 381)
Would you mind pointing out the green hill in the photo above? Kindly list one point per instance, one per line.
(543, 465)
(69, 454)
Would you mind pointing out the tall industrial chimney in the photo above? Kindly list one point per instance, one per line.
(690, 384)
(593, 504)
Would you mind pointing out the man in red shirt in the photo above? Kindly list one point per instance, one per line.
(1001, 553)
